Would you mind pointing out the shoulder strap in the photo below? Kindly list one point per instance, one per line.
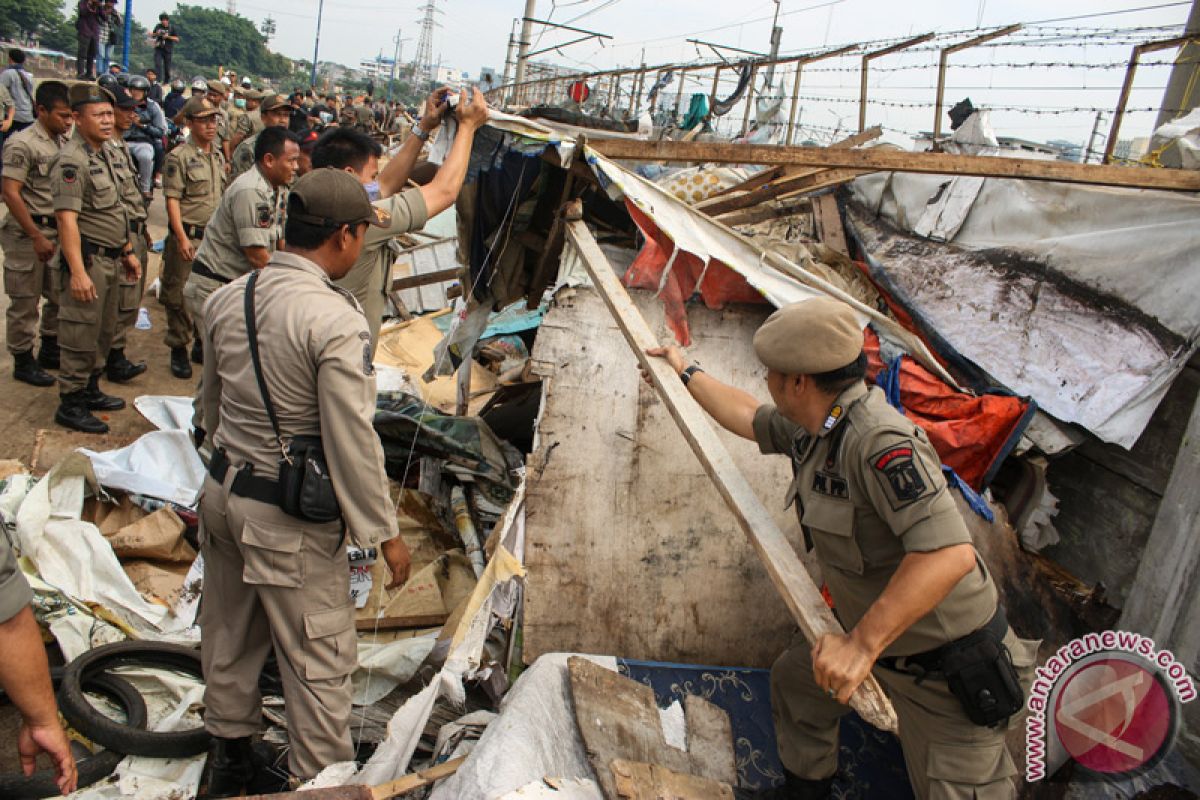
(252, 335)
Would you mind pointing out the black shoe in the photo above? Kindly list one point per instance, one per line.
(197, 351)
(96, 400)
(73, 413)
(229, 768)
(270, 769)
(120, 369)
(180, 367)
(26, 369)
(48, 354)
(794, 788)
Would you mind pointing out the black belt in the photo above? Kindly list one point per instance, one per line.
(193, 231)
(136, 226)
(931, 660)
(45, 220)
(90, 248)
(198, 268)
(245, 482)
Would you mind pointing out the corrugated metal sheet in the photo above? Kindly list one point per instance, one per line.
(431, 254)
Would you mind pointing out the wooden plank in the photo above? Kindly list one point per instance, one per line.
(413, 281)
(804, 181)
(401, 623)
(829, 223)
(618, 719)
(753, 215)
(899, 161)
(637, 781)
(788, 575)
(417, 780)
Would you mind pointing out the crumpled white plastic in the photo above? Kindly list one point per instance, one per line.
(162, 464)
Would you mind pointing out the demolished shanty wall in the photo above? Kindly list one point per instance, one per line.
(631, 551)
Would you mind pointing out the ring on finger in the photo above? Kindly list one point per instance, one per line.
(831, 692)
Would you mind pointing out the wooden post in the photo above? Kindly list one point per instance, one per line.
(783, 566)
(945, 55)
(712, 96)
(654, 100)
(1127, 86)
(800, 64)
(749, 99)
(679, 93)
(866, 64)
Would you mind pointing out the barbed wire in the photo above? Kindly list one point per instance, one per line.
(1036, 110)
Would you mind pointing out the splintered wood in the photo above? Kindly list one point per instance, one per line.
(791, 580)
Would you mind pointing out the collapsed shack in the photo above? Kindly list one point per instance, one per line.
(552, 507)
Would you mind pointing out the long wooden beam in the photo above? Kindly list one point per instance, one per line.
(783, 566)
(879, 159)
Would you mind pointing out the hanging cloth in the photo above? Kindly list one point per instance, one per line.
(723, 107)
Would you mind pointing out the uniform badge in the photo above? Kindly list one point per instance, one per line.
(830, 484)
(901, 475)
(68, 174)
(172, 169)
(263, 211)
(368, 364)
(835, 414)
(16, 158)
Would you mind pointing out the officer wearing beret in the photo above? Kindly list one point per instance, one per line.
(251, 122)
(30, 238)
(193, 180)
(216, 91)
(118, 368)
(96, 247)
(273, 112)
(269, 576)
(894, 552)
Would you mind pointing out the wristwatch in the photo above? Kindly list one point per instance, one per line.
(686, 375)
(420, 132)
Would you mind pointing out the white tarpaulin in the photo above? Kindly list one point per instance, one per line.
(1081, 297)
(162, 464)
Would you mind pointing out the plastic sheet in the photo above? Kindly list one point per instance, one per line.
(161, 464)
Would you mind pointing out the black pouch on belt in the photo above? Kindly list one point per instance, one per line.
(980, 672)
(305, 488)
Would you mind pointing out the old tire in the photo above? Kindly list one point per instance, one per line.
(93, 768)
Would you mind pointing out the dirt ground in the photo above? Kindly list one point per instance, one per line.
(27, 412)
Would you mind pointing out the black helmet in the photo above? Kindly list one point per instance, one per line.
(123, 78)
(177, 85)
(138, 82)
(108, 81)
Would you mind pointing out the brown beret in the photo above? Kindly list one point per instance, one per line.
(198, 106)
(217, 87)
(81, 94)
(809, 337)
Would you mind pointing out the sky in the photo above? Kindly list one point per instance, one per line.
(474, 34)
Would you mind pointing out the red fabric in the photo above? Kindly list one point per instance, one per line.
(721, 284)
(968, 432)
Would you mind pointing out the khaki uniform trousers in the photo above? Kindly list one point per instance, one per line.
(173, 277)
(272, 579)
(27, 281)
(196, 292)
(130, 294)
(948, 756)
(85, 330)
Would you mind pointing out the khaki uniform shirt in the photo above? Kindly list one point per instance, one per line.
(27, 158)
(249, 215)
(15, 593)
(126, 172)
(868, 490)
(249, 123)
(316, 363)
(364, 117)
(243, 156)
(370, 278)
(196, 179)
(88, 180)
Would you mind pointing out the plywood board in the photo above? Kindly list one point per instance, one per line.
(630, 549)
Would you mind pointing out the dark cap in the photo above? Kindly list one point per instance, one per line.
(122, 98)
(331, 197)
(272, 102)
(218, 87)
(81, 94)
(198, 106)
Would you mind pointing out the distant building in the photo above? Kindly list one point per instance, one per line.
(1131, 149)
(376, 68)
(449, 75)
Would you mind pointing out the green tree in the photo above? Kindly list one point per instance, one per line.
(23, 19)
(211, 38)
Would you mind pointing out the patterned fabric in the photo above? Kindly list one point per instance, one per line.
(870, 764)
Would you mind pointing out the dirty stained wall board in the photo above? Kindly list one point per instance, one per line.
(631, 550)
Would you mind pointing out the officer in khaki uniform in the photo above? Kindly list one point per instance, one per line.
(216, 91)
(274, 112)
(93, 231)
(243, 231)
(193, 180)
(894, 552)
(270, 577)
(118, 368)
(250, 122)
(30, 236)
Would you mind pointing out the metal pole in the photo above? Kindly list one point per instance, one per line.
(128, 33)
(1091, 148)
(776, 35)
(317, 44)
(866, 65)
(945, 55)
(523, 45)
(1183, 87)
(395, 61)
(1127, 86)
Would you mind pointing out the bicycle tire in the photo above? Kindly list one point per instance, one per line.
(18, 786)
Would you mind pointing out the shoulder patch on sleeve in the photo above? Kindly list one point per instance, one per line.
(172, 168)
(262, 215)
(69, 173)
(15, 157)
(901, 474)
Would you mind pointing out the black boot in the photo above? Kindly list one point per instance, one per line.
(270, 769)
(197, 351)
(96, 400)
(180, 367)
(25, 368)
(73, 413)
(120, 369)
(228, 770)
(48, 354)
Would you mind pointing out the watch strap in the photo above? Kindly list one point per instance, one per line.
(686, 375)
